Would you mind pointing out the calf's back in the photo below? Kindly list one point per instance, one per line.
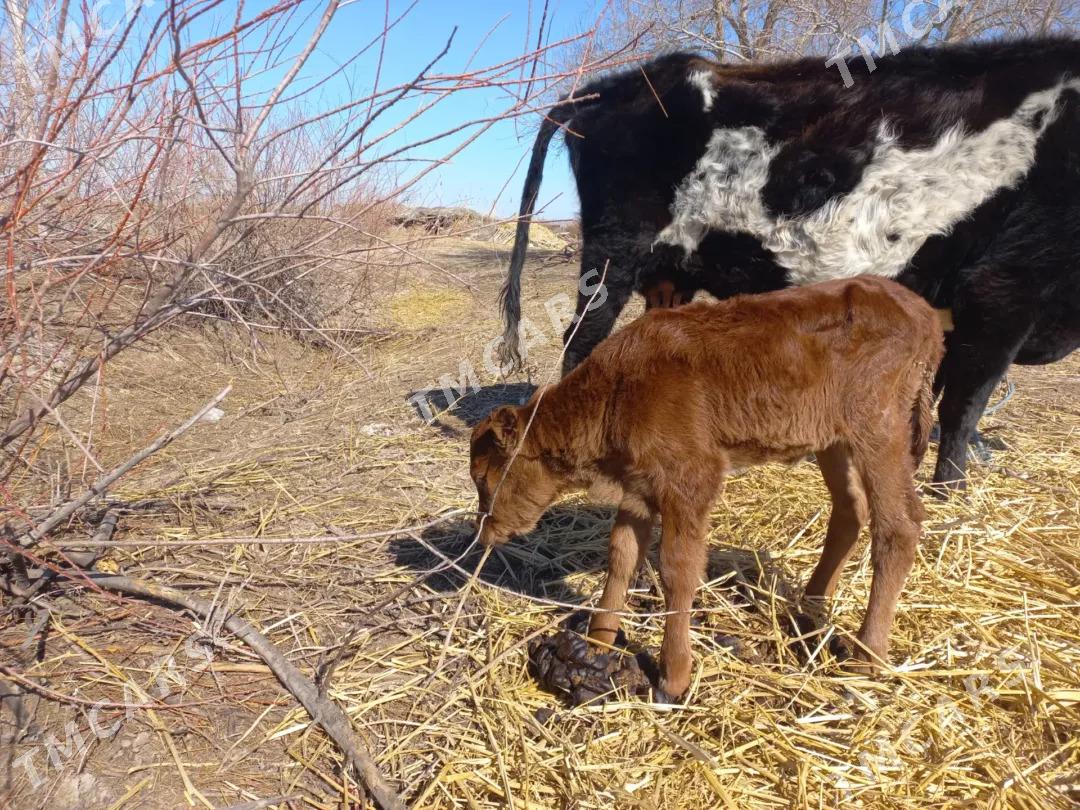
(765, 376)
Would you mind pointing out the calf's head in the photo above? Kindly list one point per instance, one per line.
(513, 484)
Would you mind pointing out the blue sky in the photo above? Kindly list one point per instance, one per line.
(489, 172)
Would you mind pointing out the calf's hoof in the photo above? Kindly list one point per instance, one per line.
(567, 665)
(670, 693)
(865, 659)
(664, 698)
(808, 634)
(861, 666)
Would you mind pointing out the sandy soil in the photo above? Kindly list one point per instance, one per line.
(316, 442)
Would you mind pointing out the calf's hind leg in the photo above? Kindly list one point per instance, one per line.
(631, 536)
(895, 524)
(849, 512)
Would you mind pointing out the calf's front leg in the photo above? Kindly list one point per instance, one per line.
(631, 536)
(682, 566)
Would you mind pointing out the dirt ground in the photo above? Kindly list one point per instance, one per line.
(322, 445)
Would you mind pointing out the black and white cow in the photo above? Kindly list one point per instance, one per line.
(955, 170)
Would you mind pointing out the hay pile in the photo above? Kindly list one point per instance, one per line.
(541, 237)
(469, 224)
(981, 710)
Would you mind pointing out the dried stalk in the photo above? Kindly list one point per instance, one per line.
(322, 711)
(101, 486)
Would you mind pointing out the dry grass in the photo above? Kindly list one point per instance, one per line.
(420, 307)
(981, 710)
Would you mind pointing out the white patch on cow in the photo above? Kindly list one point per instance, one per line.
(703, 82)
(904, 196)
(724, 190)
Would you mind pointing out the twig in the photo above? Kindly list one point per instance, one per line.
(131, 793)
(82, 559)
(268, 541)
(102, 485)
(60, 697)
(322, 711)
(103, 534)
(326, 671)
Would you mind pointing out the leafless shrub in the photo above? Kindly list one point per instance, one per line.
(179, 160)
(745, 30)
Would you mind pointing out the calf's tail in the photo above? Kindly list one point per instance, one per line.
(922, 410)
(922, 419)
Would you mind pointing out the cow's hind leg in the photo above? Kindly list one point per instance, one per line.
(887, 472)
(977, 356)
(598, 307)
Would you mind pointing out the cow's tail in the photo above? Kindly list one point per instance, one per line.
(510, 299)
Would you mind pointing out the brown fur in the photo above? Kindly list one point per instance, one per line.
(666, 407)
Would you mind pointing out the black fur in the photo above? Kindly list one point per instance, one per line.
(1009, 272)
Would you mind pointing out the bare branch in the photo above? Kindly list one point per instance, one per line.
(102, 484)
(332, 720)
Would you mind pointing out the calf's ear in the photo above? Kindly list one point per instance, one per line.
(507, 426)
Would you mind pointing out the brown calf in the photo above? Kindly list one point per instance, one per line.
(665, 408)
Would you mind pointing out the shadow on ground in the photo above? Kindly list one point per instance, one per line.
(454, 415)
(570, 539)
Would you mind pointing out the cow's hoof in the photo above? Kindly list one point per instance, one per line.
(992, 442)
(938, 492)
(981, 449)
(567, 665)
(943, 490)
